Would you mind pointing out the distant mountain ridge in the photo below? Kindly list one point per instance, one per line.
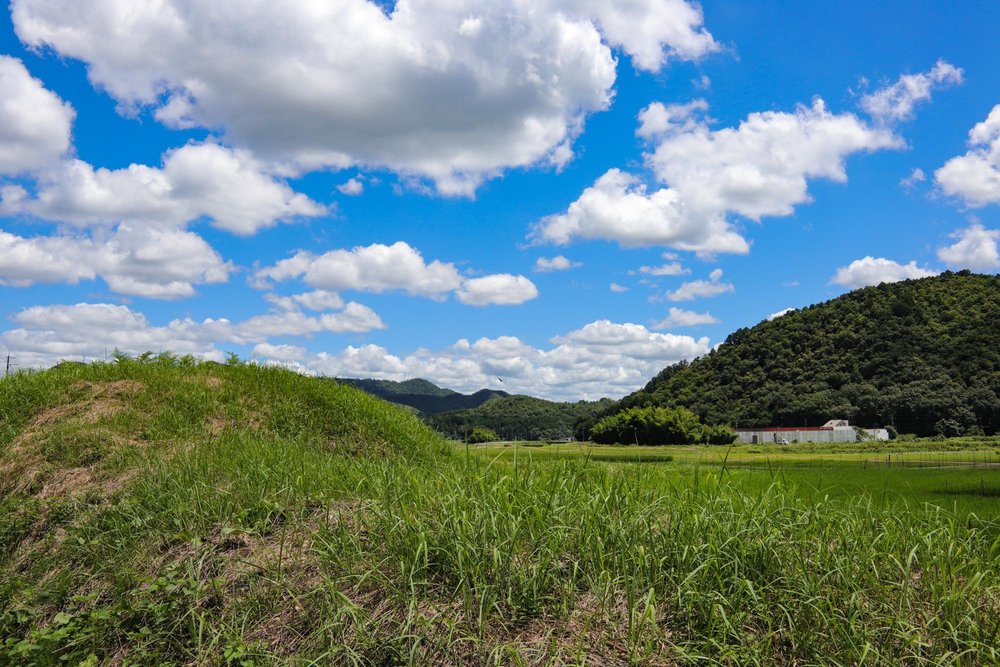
(922, 356)
(520, 418)
(423, 395)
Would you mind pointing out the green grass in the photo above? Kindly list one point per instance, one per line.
(961, 480)
(237, 515)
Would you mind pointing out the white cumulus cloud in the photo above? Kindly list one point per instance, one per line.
(658, 118)
(975, 176)
(600, 359)
(876, 270)
(784, 311)
(396, 267)
(668, 269)
(280, 353)
(313, 300)
(897, 101)
(916, 176)
(353, 318)
(698, 289)
(230, 187)
(679, 317)
(35, 124)
(44, 335)
(975, 248)
(502, 289)
(452, 91)
(352, 187)
(154, 263)
(618, 208)
(557, 263)
(760, 168)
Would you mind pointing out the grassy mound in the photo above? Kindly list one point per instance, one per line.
(161, 512)
(96, 460)
(60, 423)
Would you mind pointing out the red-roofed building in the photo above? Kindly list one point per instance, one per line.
(835, 430)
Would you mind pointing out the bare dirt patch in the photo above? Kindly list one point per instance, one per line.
(25, 465)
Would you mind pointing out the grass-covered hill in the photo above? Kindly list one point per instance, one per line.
(162, 511)
(423, 395)
(158, 512)
(520, 418)
(922, 356)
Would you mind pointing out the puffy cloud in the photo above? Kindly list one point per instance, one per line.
(774, 316)
(618, 208)
(352, 187)
(669, 269)
(373, 268)
(760, 168)
(35, 123)
(453, 91)
(648, 30)
(916, 176)
(975, 176)
(397, 267)
(659, 118)
(45, 335)
(230, 187)
(896, 102)
(679, 317)
(280, 353)
(557, 263)
(159, 264)
(315, 300)
(697, 289)
(617, 289)
(501, 289)
(873, 271)
(600, 359)
(354, 318)
(25, 261)
(976, 248)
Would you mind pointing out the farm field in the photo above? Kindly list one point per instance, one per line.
(960, 475)
(159, 511)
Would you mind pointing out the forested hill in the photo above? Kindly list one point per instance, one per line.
(520, 418)
(920, 355)
(423, 395)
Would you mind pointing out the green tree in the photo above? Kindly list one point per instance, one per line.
(481, 434)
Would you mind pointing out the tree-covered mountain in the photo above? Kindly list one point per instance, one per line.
(423, 395)
(922, 356)
(520, 418)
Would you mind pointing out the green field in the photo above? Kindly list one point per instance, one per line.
(958, 475)
(162, 512)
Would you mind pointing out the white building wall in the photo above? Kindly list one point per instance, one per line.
(839, 434)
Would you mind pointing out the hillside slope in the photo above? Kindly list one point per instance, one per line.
(920, 355)
(423, 395)
(520, 418)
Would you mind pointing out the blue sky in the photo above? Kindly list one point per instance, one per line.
(567, 195)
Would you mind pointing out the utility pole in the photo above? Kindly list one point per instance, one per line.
(7, 371)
